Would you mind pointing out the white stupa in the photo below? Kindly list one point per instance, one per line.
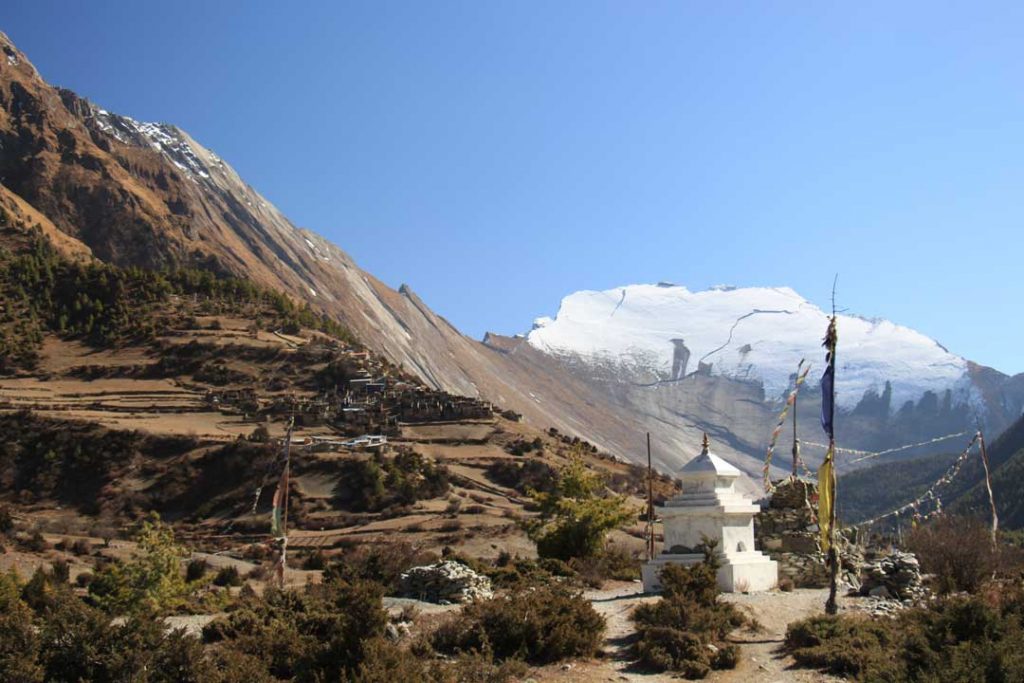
(709, 505)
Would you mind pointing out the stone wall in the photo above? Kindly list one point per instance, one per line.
(788, 532)
(445, 582)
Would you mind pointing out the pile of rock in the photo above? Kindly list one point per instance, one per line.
(788, 532)
(445, 583)
(896, 576)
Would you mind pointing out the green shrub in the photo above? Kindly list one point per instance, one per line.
(382, 483)
(196, 569)
(669, 649)
(685, 631)
(525, 476)
(19, 644)
(228, 575)
(955, 639)
(576, 517)
(385, 662)
(320, 634)
(150, 581)
(80, 643)
(540, 625)
(845, 646)
(383, 564)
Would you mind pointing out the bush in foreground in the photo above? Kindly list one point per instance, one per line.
(974, 638)
(685, 631)
(854, 646)
(319, 634)
(540, 625)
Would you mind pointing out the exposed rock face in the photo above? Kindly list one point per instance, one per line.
(895, 576)
(445, 582)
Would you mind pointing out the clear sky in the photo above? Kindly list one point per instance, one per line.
(497, 156)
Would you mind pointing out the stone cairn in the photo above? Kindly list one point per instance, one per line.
(788, 532)
(787, 529)
(896, 576)
(445, 583)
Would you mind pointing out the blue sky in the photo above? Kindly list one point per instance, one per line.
(497, 156)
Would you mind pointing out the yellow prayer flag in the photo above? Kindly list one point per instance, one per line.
(826, 498)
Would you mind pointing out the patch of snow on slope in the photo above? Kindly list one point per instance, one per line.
(317, 252)
(160, 137)
(746, 333)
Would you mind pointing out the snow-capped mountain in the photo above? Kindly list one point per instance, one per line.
(722, 360)
(610, 367)
(662, 333)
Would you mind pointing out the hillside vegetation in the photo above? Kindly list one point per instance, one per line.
(883, 487)
(42, 291)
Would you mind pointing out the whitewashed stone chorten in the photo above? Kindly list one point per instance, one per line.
(709, 505)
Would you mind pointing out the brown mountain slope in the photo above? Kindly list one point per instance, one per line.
(148, 194)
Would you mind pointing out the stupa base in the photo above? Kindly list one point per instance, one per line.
(740, 572)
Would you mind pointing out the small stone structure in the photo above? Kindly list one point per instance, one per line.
(709, 506)
(895, 576)
(445, 582)
(787, 529)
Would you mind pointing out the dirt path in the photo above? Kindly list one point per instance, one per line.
(760, 656)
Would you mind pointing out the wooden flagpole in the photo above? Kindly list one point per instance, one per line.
(831, 606)
(796, 441)
(988, 485)
(286, 484)
(650, 502)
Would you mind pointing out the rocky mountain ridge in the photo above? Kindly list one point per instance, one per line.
(106, 186)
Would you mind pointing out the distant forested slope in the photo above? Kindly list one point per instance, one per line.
(883, 487)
